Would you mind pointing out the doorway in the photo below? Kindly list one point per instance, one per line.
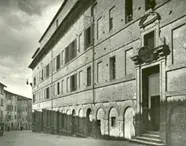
(151, 98)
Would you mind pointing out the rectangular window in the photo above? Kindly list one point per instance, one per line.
(80, 43)
(34, 81)
(128, 10)
(58, 88)
(112, 68)
(58, 62)
(149, 40)
(62, 86)
(99, 32)
(42, 74)
(47, 70)
(88, 37)
(71, 51)
(47, 93)
(68, 84)
(99, 72)
(89, 76)
(113, 121)
(73, 82)
(62, 57)
(111, 18)
(149, 4)
(80, 79)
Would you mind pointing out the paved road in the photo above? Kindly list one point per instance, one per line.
(27, 138)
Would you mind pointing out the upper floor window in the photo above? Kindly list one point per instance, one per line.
(150, 4)
(73, 82)
(47, 70)
(111, 18)
(128, 10)
(88, 37)
(58, 88)
(34, 81)
(71, 51)
(47, 93)
(112, 68)
(149, 40)
(99, 27)
(89, 76)
(99, 72)
(58, 62)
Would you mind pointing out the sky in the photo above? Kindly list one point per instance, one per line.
(22, 23)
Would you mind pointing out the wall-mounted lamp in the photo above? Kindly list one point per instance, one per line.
(27, 82)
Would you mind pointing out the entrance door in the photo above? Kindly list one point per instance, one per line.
(154, 101)
(151, 98)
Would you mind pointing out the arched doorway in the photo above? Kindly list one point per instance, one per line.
(100, 121)
(129, 130)
(73, 122)
(89, 122)
(113, 123)
(80, 121)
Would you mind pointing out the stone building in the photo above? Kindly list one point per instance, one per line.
(10, 111)
(24, 113)
(113, 69)
(2, 104)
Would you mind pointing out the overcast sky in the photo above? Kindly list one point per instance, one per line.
(22, 23)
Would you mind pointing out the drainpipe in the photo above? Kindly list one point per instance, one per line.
(93, 51)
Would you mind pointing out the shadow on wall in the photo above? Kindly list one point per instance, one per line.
(64, 124)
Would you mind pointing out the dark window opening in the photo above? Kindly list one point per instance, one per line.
(112, 68)
(73, 82)
(128, 10)
(58, 88)
(47, 93)
(149, 40)
(47, 70)
(58, 62)
(89, 76)
(113, 121)
(88, 37)
(34, 81)
(71, 51)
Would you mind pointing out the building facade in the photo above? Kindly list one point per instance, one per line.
(113, 69)
(2, 104)
(10, 111)
(24, 113)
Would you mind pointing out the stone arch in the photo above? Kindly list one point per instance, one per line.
(80, 121)
(100, 115)
(89, 122)
(177, 127)
(128, 127)
(115, 106)
(80, 113)
(113, 123)
(73, 112)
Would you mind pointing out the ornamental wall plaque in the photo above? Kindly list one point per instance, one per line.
(146, 54)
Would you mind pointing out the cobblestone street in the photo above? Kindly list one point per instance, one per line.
(27, 138)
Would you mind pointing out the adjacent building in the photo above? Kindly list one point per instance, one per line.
(10, 111)
(2, 104)
(113, 69)
(24, 113)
